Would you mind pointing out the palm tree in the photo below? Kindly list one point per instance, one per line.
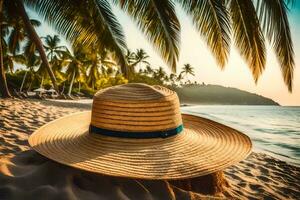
(52, 47)
(57, 64)
(32, 61)
(93, 75)
(140, 56)
(148, 70)
(54, 53)
(160, 74)
(74, 62)
(97, 61)
(93, 22)
(172, 78)
(42, 74)
(179, 78)
(129, 57)
(187, 70)
(74, 69)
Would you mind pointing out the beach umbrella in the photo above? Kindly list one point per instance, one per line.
(39, 90)
(51, 90)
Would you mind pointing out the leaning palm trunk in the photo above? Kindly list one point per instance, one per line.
(3, 84)
(71, 85)
(23, 81)
(35, 38)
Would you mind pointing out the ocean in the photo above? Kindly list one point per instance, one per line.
(274, 130)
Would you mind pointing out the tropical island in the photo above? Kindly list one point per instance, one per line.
(219, 95)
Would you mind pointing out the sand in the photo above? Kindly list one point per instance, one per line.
(24, 174)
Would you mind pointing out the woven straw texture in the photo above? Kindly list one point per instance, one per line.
(136, 108)
(202, 148)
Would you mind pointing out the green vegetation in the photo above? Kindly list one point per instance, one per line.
(98, 41)
(85, 71)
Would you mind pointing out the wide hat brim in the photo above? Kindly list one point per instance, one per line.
(202, 148)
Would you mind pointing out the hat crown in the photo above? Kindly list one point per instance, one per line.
(136, 108)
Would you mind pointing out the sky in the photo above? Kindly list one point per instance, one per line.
(195, 51)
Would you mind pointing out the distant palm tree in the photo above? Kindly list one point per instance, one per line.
(148, 70)
(160, 74)
(172, 78)
(52, 47)
(187, 70)
(97, 62)
(42, 74)
(74, 67)
(57, 64)
(179, 78)
(32, 61)
(129, 57)
(140, 56)
(93, 22)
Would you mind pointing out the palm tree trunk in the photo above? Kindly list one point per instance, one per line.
(36, 39)
(29, 88)
(23, 81)
(41, 86)
(79, 87)
(3, 84)
(71, 84)
(63, 89)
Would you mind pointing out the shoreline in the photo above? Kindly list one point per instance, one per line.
(259, 174)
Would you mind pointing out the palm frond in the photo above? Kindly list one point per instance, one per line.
(20, 58)
(273, 16)
(108, 63)
(211, 18)
(248, 35)
(30, 50)
(112, 32)
(158, 21)
(35, 22)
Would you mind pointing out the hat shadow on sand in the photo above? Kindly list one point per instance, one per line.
(32, 174)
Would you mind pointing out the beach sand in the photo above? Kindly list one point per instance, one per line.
(24, 174)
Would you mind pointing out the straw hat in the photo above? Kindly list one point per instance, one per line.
(137, 131)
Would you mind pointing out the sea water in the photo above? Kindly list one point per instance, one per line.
(274, 130)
